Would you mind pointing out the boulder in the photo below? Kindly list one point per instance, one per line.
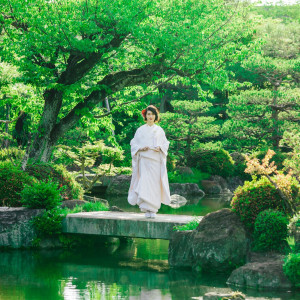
(118, 185)
(220, 181)
(211, 187)
(234, 182)
(177, 201)
(95, 199)
(185, 170)
(227, 296)
(16, 230)
(180, 249)
(264, 271)
(185, 189)
(72, 203)
(218, 244)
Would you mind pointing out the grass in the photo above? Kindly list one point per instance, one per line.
(189, 226)
(89, 206)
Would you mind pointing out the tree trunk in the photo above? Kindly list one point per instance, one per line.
(276, 137)
(8, 106)
(44, 141)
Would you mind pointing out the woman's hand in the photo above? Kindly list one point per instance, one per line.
(144, 149)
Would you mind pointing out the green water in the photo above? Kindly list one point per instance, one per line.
(136, 270)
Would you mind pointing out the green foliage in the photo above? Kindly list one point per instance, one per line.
(189, 226)
(278, 157)
(186, 126)
(177, 177)
(240, 164)
(214, 162)
(254, 197)
(43, 194)
(291, 139)
(291, 268)
(49, 223)
(11, 153)
(12, 182)
(58, 174)
(89, 206)
(85, 157)
(270, 231)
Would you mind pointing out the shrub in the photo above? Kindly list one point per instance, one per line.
(291, 268)
(270, 231)
(278, 157)
(41, 195)
(254, 197)
(189, 226)
(49, 223)
(11, 153)
(12, 182)
(58, 174)
(213, 162)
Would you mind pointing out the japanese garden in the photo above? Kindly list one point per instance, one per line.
(79, 78)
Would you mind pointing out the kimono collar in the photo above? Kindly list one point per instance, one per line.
(151, 125)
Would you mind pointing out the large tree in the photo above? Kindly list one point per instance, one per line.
(79, 52)
(260, 116)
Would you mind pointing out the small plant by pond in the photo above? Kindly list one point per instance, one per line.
(291, 268)
(189, 226)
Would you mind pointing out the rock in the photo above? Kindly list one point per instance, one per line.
(227, 296)
(72, 203)
(218, 244)
(95, 199)
(177, 201)
(16, 230)
(115, 208)
(234, 182)
(185, 170)
(211, 187)
(220, 181)
(185, 189)
(180, 249)
(220, 241)
(119, 185)
(264, 271)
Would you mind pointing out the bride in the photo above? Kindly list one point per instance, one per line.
(149, 185)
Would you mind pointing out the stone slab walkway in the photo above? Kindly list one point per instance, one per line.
(124, 224)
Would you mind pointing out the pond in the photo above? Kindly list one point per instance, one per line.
(135, 270)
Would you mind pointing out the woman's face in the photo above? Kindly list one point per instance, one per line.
(150, 116)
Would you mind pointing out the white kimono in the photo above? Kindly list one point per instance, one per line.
(149, 185)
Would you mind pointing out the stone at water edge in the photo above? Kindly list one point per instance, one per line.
(227, 296)
(263, 272)
(185, 189)
(177, 201)
(72, 203)
(218, 244)
(118, 185)
(211, 187)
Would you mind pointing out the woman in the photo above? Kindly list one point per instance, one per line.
(149, 185)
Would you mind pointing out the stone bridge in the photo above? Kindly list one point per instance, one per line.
(124, 224)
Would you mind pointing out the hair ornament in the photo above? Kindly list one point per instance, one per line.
(144, 113)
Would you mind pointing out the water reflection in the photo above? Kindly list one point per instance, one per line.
(136, 270)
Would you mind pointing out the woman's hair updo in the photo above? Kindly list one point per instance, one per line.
(154, 110)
